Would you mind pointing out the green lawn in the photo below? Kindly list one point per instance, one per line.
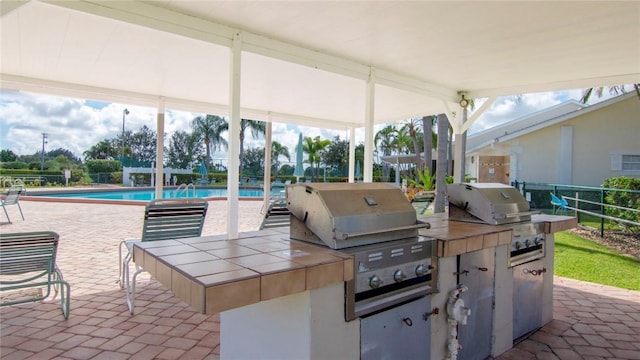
(583, 259)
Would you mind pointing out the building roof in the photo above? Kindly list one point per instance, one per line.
(536, 121)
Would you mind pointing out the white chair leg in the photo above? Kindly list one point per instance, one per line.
(19, 208)
(120, 267)
(131, 291)
(6, 213)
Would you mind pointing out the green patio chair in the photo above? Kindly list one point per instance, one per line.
(12, 197)
(28, 261)
(164, 219)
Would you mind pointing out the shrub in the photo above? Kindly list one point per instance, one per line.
(628, 197)
(103, 166)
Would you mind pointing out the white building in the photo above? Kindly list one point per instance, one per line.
(569, 143)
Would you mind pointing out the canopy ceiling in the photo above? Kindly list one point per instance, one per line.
(308, 62)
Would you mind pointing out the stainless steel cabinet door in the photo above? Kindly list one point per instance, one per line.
(401, 332)
(527, 297)
(477, 272)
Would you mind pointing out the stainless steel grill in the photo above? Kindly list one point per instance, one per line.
(499, 204)
(376, 225)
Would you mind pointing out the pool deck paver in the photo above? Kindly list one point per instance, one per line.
(591, 321)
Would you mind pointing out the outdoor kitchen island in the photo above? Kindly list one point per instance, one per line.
(285, 299)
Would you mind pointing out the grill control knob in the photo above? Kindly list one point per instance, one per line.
(527, 243)
(399, 276)
(421, 270)
(375, 282)
(537, 241)
(518, 245)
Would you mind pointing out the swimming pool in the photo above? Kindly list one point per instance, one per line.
(148, 195)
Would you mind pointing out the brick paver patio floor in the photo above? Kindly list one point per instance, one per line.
(590, 321)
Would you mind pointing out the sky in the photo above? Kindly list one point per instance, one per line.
(78, 124)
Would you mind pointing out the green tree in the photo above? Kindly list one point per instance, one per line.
(403, 142)
(209, 129)
(104, 150)
(66, 153)
(314, 149)
(286, 170)
(336, 157)
(385, 144)
(184, 150)
(278, 150)
(257, 128)
(253, 160)
(7, 155)
(143, 145)
(413, 127)
(613, 90)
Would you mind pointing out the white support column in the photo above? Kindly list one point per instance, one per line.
(267, 162)
(233, 170)
(459, 150)
(367, 173)
(352, 154)
(160, 150)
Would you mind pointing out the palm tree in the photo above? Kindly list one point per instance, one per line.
(614, 90)
(402, 141)
(384, 141)
(257, 128)
(441, 162)
(278, 150)
(412, 126)
(314, 148)
(427, 128)
(209, 129)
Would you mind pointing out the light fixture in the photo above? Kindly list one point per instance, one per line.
(464, 102)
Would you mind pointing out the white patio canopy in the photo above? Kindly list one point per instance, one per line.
(329, 64)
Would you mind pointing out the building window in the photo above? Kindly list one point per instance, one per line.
(630, 162)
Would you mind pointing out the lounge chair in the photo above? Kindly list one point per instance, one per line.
(12, 197)
(28, 261)
(559, 204)
(164, 219)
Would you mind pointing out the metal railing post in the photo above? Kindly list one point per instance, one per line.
(578, 206)
(602, 212)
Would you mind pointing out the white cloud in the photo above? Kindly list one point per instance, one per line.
(77, 124)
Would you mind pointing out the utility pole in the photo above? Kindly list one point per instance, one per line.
(125, 112)
(44, 141)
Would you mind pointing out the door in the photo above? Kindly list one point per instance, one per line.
(476, 271)
(494, 169)
(401, 332)
(527, 297)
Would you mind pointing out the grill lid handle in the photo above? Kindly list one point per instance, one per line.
(523, 213)
(345, 235)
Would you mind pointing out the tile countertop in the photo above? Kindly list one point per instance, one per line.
(213, 274)
(458, 237)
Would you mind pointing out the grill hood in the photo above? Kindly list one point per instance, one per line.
(341, 215)
(489, 203)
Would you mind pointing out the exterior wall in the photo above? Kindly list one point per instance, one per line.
(585, 142)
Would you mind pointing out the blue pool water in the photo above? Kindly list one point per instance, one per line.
(148, 195)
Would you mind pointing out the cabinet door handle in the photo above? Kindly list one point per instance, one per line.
(408, 321)
(483, 269)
